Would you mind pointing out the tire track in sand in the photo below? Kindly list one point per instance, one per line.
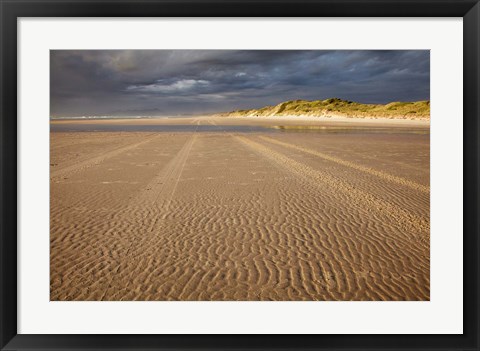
(374, 172)
(94, 161)
(159, 194)
(375, 158)
(139, 210)
(406, 220)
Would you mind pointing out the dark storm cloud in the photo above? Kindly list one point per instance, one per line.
(169, 82)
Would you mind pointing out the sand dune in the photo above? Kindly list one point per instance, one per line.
(239, 216)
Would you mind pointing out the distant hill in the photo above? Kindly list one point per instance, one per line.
(340, 108)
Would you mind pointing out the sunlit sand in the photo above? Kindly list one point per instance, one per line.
(240, 214)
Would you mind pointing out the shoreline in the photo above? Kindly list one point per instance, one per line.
(259, 121)
(338, 119)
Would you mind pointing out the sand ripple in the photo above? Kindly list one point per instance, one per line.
(234, 217)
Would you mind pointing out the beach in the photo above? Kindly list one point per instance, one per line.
(240, 209)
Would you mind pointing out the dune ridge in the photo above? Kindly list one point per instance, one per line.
(336, 107)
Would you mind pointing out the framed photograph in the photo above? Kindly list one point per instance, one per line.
(239, 175)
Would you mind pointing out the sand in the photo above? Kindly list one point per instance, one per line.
(265, 121)
(239, 216)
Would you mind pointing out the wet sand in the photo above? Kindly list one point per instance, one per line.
(260, 121)
(261, 215)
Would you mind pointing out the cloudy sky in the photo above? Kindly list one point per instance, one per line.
(176, 82)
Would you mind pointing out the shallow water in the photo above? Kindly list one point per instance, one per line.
(345, 130)
(80, 127)
(83, 127)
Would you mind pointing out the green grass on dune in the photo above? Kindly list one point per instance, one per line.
(339, 107)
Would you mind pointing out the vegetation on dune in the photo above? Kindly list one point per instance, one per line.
(335, 107)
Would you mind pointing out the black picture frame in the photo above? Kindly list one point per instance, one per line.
(12, 10)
